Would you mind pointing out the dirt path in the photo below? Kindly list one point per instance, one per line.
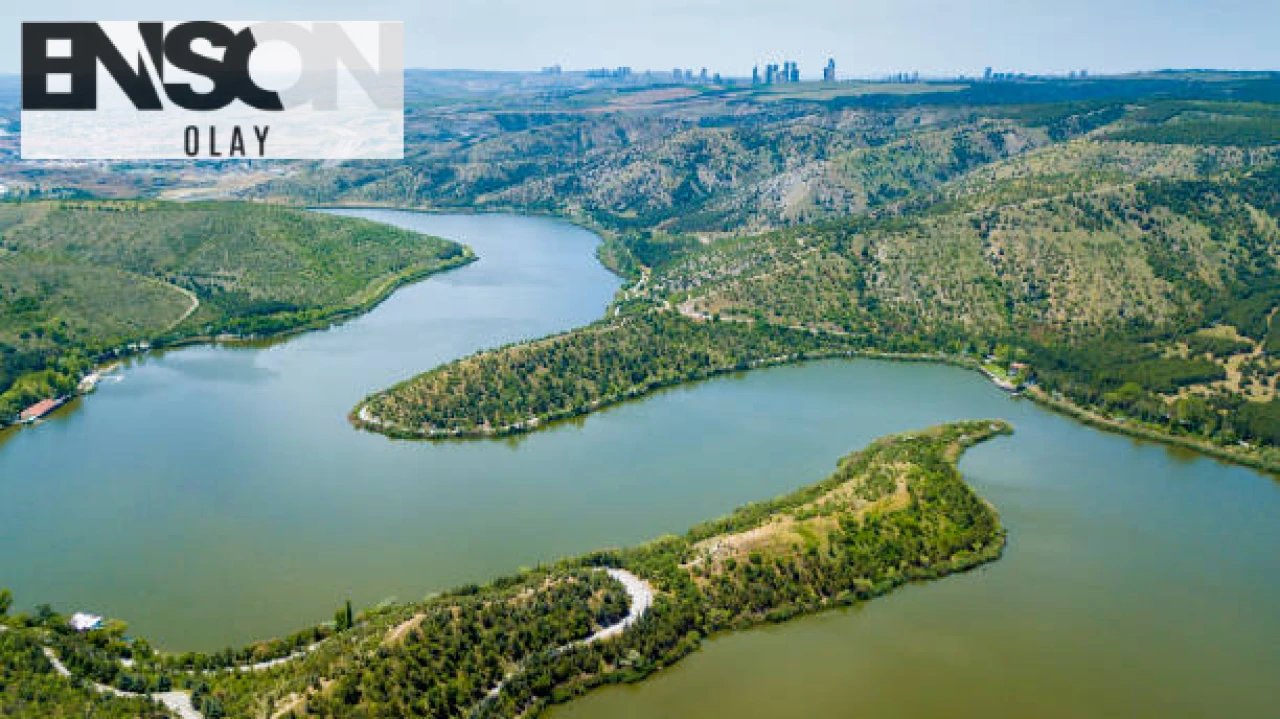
(400, 631)
(195, 305)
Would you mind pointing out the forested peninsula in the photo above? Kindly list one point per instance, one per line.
(1029, 293)
(1110, 249)
(895, 512)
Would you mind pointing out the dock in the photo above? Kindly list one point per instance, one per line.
(40, 409)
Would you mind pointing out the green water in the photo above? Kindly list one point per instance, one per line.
(217, 495)
(1137, 582)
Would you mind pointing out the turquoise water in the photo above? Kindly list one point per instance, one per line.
(217, 495)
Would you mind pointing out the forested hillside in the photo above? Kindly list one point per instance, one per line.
(647, 174)
(1110, 295)
(83, 279)
(712, 160)
(1126, 265)
(522, 386)
(1109, 236)
(1127, 257)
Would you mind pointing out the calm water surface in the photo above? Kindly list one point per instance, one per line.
(217, 495)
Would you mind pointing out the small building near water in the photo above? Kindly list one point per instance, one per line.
(83, 622)
(89, 382)
(38, 410)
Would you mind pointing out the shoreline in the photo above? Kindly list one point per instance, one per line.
(663, 579)
(1134, 430)
(385, 287)
(368, 299)
(640, 598)
(361, 418)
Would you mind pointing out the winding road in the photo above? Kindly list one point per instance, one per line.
(639, 596)
(177, 702)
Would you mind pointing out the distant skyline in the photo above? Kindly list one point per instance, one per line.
(866, 37)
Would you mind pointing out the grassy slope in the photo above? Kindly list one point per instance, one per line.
(80, 279)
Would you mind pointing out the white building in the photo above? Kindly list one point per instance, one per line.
(82, 622)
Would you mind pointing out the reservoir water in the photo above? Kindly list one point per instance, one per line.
(216, 495)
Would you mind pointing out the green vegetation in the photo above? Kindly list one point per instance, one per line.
(1261, 421)
(1252, 132)
(895, 512)
(1204, 123)
(1109, 295)
(344, 619)
(526, 385)
(30, 686)
(82, 281)
(1100, 227)
(1202, 343)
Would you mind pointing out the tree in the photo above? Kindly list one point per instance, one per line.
(44, 614)
(6, 601)
(344, 618)
(213, 708)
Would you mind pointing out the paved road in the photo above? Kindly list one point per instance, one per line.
(177, 702)
(640, 594)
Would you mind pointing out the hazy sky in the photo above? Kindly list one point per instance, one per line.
(865, 37)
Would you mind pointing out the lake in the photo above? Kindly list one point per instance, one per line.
(216, 494)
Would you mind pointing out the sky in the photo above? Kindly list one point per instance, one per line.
(865, 37)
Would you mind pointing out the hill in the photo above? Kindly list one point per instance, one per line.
(1095, 269)
(83, 280)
